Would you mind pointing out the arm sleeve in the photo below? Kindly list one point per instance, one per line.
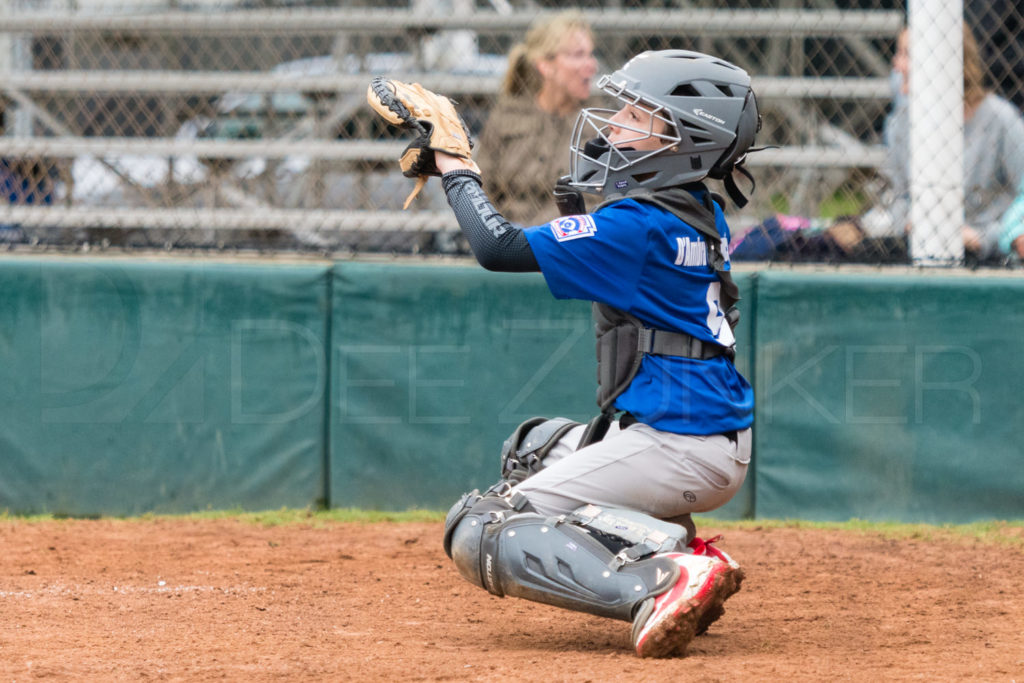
(497, 244)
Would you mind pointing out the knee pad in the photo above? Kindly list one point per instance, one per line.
(465, 525)
(497, 500)
(524, 451)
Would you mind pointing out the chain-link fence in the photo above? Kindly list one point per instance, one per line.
(212, 124)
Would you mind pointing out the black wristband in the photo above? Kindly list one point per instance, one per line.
(465, 172)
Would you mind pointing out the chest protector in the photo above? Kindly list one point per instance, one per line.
(623, 340)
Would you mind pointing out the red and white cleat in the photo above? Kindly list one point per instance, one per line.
(665, 624)
(707, 547)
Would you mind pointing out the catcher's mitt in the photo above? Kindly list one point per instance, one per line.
(430, 116)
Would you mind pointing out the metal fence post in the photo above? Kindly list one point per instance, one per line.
(936, 131)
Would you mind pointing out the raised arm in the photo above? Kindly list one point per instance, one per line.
(498, 244)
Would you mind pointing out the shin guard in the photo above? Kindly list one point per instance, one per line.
(554, 561)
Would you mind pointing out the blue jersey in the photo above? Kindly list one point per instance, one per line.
(643, 259)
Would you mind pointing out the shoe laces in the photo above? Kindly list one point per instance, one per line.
(701, 546)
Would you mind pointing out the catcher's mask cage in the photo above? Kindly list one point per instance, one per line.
(709, 116)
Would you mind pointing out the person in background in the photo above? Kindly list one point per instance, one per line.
(1011, 237)
(993, 162)
(522, 148)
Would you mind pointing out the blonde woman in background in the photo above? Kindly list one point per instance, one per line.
(522, 149)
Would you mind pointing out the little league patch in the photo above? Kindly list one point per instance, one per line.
(573, 227)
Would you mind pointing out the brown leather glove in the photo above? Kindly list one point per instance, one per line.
(431, 117)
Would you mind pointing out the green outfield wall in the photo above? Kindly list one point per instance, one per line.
(889, 397)
(131, 386)
(432, 368)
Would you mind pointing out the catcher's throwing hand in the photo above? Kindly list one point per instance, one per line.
(432, 117)
(568, 199)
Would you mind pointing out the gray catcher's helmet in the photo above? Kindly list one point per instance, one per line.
(710, 114)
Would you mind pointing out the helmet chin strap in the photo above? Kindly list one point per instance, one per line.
(733, 190)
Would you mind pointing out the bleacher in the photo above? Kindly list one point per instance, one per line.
(212, 117)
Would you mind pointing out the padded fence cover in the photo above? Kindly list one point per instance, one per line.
(432, 368)
(129, 387)
(135, 386)
(889, 397)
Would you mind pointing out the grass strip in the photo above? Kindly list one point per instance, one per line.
(994, 532)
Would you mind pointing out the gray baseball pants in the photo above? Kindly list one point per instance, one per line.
(665, 475)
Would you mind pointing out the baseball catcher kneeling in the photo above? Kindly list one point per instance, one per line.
(597, 517)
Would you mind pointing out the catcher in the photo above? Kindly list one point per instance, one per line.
(596, 517)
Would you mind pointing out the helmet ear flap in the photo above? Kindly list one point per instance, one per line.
(746, 131)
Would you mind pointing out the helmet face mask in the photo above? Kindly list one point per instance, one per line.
(708, 115)
(590, 145)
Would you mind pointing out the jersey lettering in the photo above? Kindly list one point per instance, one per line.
(716, 316)
(492, 219)
(691, 252)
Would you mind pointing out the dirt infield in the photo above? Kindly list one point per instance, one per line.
(228, 600)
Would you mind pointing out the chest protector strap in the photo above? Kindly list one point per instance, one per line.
(623, 340)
